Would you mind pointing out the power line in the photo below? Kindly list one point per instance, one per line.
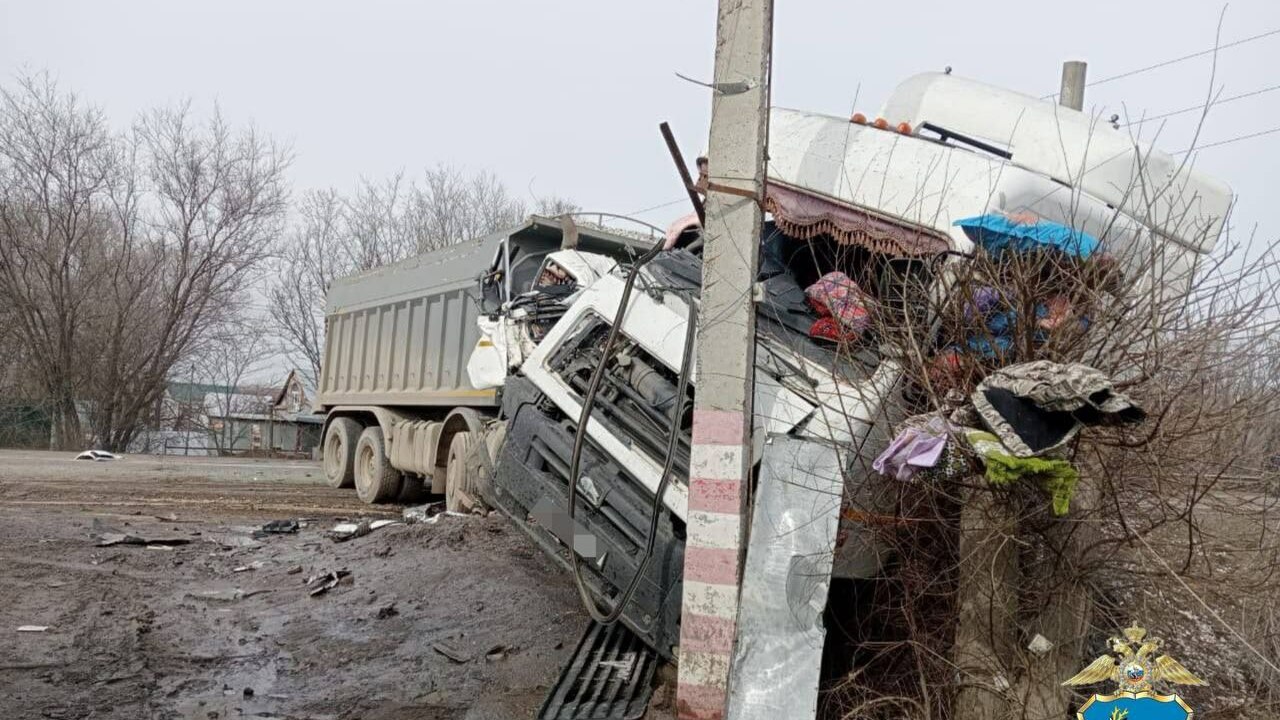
(1201, 106)
(1192, 56)
(658, 207)
(1229, 141)
(1184, 58)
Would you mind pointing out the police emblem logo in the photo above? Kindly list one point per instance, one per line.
(1139, 670)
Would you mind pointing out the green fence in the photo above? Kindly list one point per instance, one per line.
(25, 425)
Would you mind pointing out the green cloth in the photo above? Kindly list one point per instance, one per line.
(1058, 477)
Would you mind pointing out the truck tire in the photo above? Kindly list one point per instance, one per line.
(340, 452)
(411, 490)
(376, 480)
(458, 491)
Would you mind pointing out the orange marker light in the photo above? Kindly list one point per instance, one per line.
(881, 124)
(858, 118)
(904, 128)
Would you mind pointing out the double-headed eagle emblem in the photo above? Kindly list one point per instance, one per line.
(1134, 665)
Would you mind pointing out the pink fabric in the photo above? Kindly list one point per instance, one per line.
(837, 296)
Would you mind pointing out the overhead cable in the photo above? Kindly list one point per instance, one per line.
(1201, 106)
(1176, 60)
(1229, 141)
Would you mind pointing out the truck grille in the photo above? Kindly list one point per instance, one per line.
(609, 677)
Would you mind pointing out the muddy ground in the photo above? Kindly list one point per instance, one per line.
(137, 632)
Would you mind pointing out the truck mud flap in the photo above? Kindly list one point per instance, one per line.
(609, 677)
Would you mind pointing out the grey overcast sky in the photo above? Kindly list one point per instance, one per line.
(564, 96)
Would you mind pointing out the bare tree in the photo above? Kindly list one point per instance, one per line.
(225, 360)
(217, 199)
(380, 223)
(58, 161)
(450, 207)
(313, 253)
(555, 206)
(123, 250)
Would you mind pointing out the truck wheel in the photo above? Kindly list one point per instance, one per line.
(411, 490)
(340, 452)
(376, 480)
(458, 490)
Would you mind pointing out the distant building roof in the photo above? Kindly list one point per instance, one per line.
(305, 383)
(223, 405)
(188, 392)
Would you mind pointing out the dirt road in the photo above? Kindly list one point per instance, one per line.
(137, 632)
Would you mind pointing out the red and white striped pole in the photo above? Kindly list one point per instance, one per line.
(720, 459)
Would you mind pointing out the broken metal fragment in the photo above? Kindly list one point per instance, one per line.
(114, 538)
(451, 652)
(323, 583)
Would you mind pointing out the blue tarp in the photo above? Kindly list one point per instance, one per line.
(997, 233)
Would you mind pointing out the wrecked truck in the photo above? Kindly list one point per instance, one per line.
(470, 381)
(398, 401)
(491, 416)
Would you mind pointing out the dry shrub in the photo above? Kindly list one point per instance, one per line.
(1169, 525)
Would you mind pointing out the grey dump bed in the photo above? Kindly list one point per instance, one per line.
(401, 334)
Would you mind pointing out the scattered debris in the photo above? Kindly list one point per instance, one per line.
(32, 628)
(323, 583)
(383, 551)
(248, 692)
(255, 565)
(281, 527)
(230, 541)
(190, 640)
(423, 513)
(345, 531)
(430, 514)
(98, 456)
(349, 530)
(498, 652)
(387, 611)
(116, 538)
(226, 596)
(451, 652)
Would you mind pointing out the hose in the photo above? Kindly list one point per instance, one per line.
(610, 616)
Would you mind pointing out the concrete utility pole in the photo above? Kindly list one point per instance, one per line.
(1072, 94)
(720, 457)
